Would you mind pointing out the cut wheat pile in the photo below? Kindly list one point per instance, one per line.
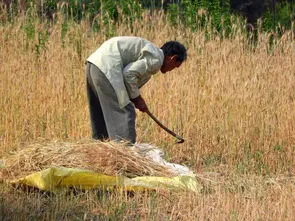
(109, 158)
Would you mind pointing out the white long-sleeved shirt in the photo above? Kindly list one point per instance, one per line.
(128, 63)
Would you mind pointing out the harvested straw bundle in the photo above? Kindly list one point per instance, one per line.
(109, 158)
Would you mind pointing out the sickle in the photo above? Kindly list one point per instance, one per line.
(180, 139)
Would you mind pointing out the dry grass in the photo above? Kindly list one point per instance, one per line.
(234, 106)
(109, 158)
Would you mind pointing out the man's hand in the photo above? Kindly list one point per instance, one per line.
(140, 104)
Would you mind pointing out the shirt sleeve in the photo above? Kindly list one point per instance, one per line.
(132, 73)
(137, 73)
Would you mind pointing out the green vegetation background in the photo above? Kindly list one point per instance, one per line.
(194, 14)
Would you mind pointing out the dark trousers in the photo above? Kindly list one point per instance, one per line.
(108, 120)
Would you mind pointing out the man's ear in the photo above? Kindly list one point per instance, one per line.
(174, 58)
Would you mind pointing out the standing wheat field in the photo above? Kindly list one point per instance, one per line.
(234, 104)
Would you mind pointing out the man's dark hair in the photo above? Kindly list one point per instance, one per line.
(171, 48)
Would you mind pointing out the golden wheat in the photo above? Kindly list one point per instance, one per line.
(234, 106)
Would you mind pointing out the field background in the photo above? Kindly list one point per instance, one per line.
(234, 104)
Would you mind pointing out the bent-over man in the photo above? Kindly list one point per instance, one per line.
(115, 73)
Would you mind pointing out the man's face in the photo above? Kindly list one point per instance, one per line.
(170, 62)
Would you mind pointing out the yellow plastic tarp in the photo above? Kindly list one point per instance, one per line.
(57, 178)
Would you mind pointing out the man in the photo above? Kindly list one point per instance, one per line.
(115, 72)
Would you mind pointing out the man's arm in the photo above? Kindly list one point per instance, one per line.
(132, 73)
(140, 104)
